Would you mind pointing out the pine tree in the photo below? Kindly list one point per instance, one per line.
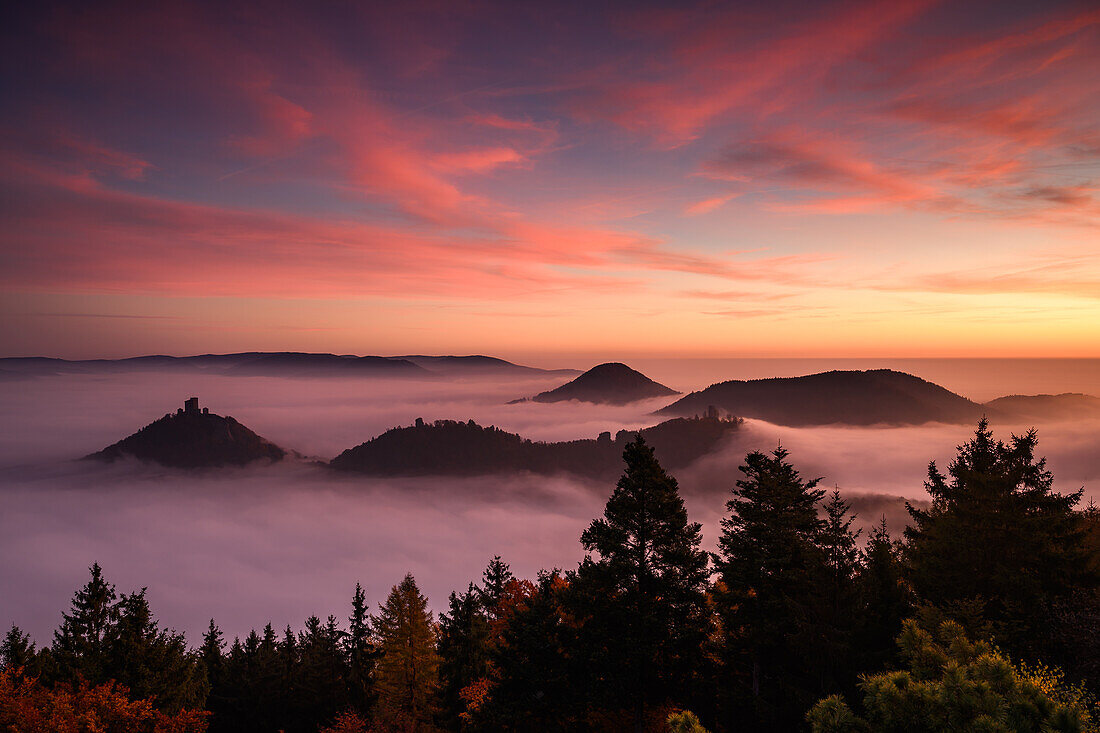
(955, 684)
(542, 672)
(17, 651)
(110, 637)
(770, 564)
(837, 608)
(214, 661)
(884, 600)
(464, 651)
(211, 650)
(653, 575)
(360, 653)
(998, 540)
(80, 645)
(494, 585)
(321, 679)
(150, 662)
(407, 675)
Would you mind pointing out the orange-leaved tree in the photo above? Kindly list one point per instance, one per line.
(26, 706)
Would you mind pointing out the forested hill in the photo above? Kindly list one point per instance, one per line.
(1047, 406)
(193, 439)
(847, 397)
(612, 383)
(448, 447)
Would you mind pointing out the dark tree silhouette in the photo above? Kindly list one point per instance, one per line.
(885, 600)
(653, 578)
(770, 565)
(17, 651)
(997, 542)
(464, 650)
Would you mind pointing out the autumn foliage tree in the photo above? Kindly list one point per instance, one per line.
(28, 706)
(408, 668)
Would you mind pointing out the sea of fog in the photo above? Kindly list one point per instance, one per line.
(276, 543)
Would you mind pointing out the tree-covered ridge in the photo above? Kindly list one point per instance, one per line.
(193, 439)
(849, 397)
(448, 447)
(795, 624)
(611, 383)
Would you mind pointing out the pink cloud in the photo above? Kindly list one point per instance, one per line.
(708, 205)
(717, 65)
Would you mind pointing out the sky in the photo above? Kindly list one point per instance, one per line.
(836, 179)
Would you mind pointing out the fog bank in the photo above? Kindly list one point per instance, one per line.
(280, 542)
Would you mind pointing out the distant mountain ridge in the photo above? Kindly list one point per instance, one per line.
(845, 397)
(1068, 405)
(190, 438)
(612, 383)
(452, 448)
(324, 365)
(280, 364)
(477, 364)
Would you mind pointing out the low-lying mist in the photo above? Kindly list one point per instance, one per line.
(280, 542)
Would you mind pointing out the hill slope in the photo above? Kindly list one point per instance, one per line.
(477, 365)
(193, 439)
(1067, 406)
(847, 397)
(325, 365)
(450, 448)
(612, 383)
(280, 364)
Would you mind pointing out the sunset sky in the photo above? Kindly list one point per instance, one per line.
(904, 178)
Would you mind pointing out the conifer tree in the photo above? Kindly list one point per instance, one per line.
(955, 684)
(17, 651)
(213, 659)
(321, 681)
(211, 650)
(464, 651)
(407, 676)
(653, 576)
(494, 585)
(360, 653)
(770, 564)
(150, 662)
(542, 673)
(110, 637)
(884, 600)
(837, 606)
(80, 645)
(997, 539)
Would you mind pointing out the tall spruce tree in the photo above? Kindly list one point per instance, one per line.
(464, 651)
(885, 601)
(542, 673)
(110, 637)
(17, 651)
(770, 566)
(997, 541)
(653, 576)
(837, 606)
(494, 585)
(153, 662)
(408, 669)
(360, 653)
(80, 645)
